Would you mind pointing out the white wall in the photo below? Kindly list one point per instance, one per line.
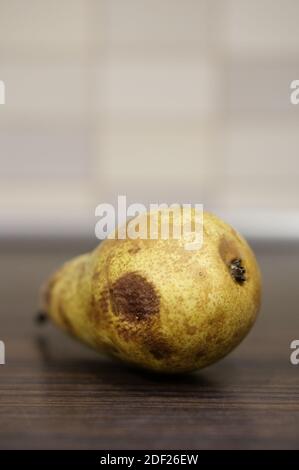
(175, 100)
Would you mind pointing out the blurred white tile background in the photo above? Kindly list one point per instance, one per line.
(161, 100)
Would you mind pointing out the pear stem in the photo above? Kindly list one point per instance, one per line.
(41, 317)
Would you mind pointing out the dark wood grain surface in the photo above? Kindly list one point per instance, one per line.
(55, 393)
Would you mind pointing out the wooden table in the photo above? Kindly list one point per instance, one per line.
(55, 393)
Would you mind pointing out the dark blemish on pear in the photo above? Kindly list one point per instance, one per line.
(99, 308)
(158, 347)
(201, 353)
(133, 250)
(104, 301)
(237, 271)
(230, 255)
(133, 297)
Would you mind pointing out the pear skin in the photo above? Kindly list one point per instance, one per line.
(155, 304)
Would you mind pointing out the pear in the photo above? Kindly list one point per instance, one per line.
(157, 305)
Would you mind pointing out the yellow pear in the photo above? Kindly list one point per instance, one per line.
(156, 304)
